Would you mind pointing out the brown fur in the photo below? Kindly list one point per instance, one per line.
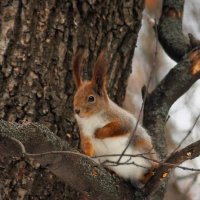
(142, 144)
(87, 146)
(77, 67)
(87, 108)
(147, 176)
(95, 87)
(99, 73)
(119, 123)
(113, 129)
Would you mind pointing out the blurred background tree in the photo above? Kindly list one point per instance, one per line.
(184, 112)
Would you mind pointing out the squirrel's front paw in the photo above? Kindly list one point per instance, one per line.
(87, 146)
(89, 152)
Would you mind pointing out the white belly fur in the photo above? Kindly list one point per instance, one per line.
(113, 146)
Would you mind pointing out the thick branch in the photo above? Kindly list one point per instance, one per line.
(35, 137)
(179, 79)
(73, 168)
(188, 153)
(174, 85)
(170, 34)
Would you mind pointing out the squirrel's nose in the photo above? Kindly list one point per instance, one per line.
(77, 111)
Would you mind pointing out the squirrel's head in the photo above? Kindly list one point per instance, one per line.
(91, 96)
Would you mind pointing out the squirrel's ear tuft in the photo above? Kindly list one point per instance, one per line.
(78, 62)
(99, 73)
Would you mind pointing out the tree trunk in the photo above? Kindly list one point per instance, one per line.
(37, 42)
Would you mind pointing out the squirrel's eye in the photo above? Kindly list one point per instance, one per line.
(91, 98)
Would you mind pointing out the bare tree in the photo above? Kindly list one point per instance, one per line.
(38, 41)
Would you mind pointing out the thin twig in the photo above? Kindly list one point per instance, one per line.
(188, 176)
(146, 158)
(132, 155)
(114, 163)
(189, 132)
(191, 185)
(145, 95)
(24, 153)
(23, 150)
(190, 152)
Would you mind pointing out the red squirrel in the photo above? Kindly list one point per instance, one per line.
(105, 128)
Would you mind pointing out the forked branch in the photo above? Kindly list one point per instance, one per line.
(188, 153)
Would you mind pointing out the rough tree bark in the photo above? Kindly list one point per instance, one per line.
(37, 43)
